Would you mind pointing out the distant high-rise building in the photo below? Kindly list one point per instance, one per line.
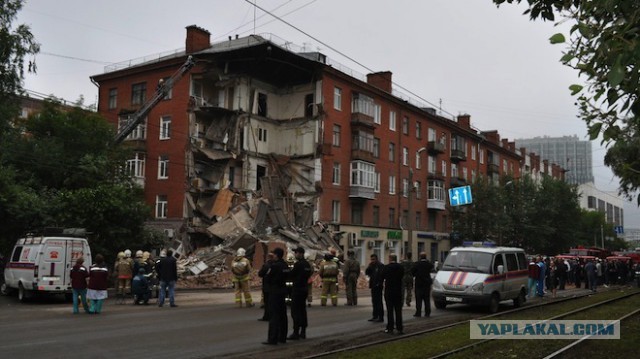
(567, 151)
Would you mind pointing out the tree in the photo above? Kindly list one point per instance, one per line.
(604, 46)
(65, 171)
(16, 44)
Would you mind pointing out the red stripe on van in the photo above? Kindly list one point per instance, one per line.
(462, 278)
(18, 265)
(454, 277)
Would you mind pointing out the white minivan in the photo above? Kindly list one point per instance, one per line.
(481, 275)
(41, 262)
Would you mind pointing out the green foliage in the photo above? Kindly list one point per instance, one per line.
(540, 217)
(604, 46)
(65, 172)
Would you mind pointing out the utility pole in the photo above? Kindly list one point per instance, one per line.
(602, 235)
(409, 221)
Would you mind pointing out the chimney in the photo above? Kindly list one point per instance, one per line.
(197, 39)
(381, 80)
(464, 121)
(492, 136)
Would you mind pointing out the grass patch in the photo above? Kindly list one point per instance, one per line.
(432, 344)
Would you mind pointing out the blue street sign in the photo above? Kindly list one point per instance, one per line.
(459, 196)
(619, 229)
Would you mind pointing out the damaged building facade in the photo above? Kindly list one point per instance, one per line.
(262, 139)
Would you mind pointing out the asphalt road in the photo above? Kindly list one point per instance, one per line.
(206, 324)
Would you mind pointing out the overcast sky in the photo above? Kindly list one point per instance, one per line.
(467, 55)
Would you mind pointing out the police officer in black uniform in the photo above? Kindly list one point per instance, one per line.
(299, 276)
(277, 277)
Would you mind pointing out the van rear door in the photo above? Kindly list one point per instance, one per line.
(52, 273)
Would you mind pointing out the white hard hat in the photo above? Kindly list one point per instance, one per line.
(138, 253)
(127, 253)
(241, 252)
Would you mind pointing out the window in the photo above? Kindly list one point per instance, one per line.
(522, 261)
(363, 104)
(454, 170)
(405, 187)
(336, 173)
(377, 114)
(416, 224)
(262, 104)
(444, 167)
(473, 175)
(376, 147)
(392, 151)
(337, 98)
(418, 165)
(168, 93)
(512, 262)
(336, 135)
(432, 164)
(138, 133)
(376, 215)
(161, 206)
(392, 120)
(405, 218)
(435, 191)
(163, 167)
(473, 152)
(376, 187)
(481, 155)
(335, 211)
(113, 98)
(432, 135)
(356, 213)
(418, 130)
(405, 156)
(165, 127)
(405, 125)
(138, 93)
(362, 174)
(418, 189)
(392, 217)
(504, 166)
(135, 166)
(392, 184)
(362, 141)
(465, 173)
(262, 134)
(498, 261)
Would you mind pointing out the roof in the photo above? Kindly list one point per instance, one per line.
(486, 250)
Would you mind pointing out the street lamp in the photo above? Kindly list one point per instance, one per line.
(411, 189)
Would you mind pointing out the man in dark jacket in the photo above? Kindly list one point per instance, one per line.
(422, 273)
(374, 272)
(265, 286)
(168, 275)
(392, 276)
(277, 278)
(140, 288)
(299, 276)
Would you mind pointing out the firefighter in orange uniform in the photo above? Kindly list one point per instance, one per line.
(329, 274)
(241, 269)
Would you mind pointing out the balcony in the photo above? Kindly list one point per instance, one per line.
(435, 148)
(361, 193)
(437, 175)
(436, 204)
(493, 168)
(458, 155)
(362, 155)
(458, 182)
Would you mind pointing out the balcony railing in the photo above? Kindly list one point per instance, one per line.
(493, 168)
(458, 155)
(361, 193)
(435, 147)
(436, 204)
(437, 175)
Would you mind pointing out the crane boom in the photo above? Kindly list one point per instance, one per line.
(163, 88)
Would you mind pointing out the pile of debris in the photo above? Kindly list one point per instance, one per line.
(258, 225)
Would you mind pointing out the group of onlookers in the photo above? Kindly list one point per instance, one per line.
(552, 274)
(132, 277)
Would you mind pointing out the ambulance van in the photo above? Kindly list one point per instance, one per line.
(41, 263)
(480, 274)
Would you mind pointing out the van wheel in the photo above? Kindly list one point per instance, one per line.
(494, 304)
(519, 300)
(440, 304)
(23, 294)
(4, 289)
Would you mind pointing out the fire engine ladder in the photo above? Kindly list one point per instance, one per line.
(161, 92)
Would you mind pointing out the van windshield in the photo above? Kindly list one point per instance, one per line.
(478, 262)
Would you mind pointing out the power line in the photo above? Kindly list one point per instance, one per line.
(76, 58)
(344, 55)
